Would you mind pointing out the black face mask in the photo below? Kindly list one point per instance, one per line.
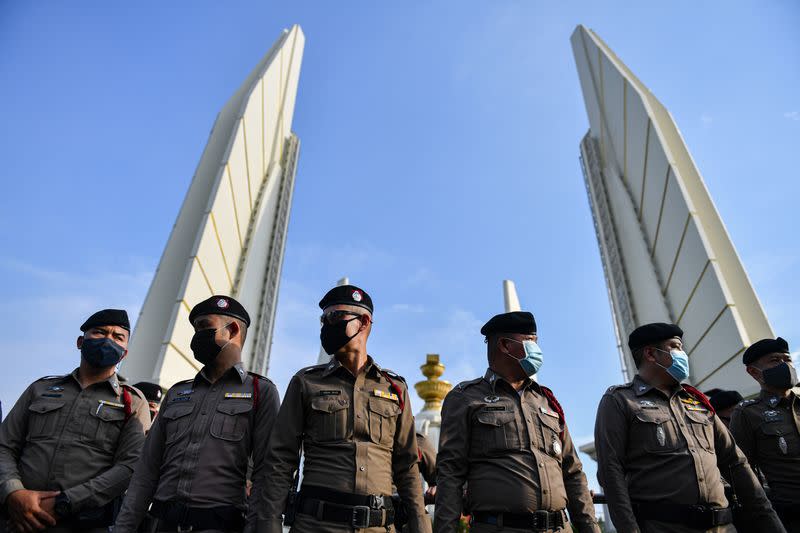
(101, 353)
(334, 336)
(782, 377)
(204, 345)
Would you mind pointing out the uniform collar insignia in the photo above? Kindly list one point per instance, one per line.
(774, 401)
(640, 386)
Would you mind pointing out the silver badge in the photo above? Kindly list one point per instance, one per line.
(661, 436)
(56, 388)
(492, 399)
(774, 401)
(647, 404)
(556, 447)
(782, 445)
(642, 387)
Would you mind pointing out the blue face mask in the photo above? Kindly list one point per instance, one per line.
(679, 369)
(533, 359)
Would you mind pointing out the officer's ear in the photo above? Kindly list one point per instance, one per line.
(79, 342)
(366, 320)
(234, 329)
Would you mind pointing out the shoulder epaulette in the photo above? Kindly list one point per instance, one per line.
(464, 384)
(551, 399)
(259, 376)
(134, 390)
(393, 374)
(48, 378)
(312, 368)
(613, 388)
(184, 381)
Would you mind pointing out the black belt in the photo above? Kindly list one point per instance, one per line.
(360, 511)
(176, 516)
(536, 521)
(696, 516)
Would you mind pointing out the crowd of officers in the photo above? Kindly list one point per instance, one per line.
(220, 453)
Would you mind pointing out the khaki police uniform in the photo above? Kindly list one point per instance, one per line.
(427, 459)
(83, 442)
(515, 455)
(357, 436)
(195, 460)
(766, 430)
(661, 455)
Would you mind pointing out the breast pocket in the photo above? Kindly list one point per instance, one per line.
(702, 428)
(778, 439)
(382, 421)
(43, 418)
(177, 421)
(550, 428)
(655, 432)
(231, 420)
(494, 432)
(328, 418)
(102, 427)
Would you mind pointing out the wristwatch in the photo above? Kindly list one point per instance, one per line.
(62, 506)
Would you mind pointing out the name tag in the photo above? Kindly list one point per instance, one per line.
(495, 408)
(387, 395)
(51, 395)
(238, 395)
(329, 393)
(180, 399)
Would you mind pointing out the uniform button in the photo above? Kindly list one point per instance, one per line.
(541, 464)
(699, 479)
(362, 468)
(544, 491)
(358, 415)
(213, 388)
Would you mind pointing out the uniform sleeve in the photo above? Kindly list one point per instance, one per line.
(13, 432)
(281, 461)
(264, 422)
(579, 500)
(748, 490)
(405, 470)
(112, 483)
(427, 461)
(744, 435)
(610, 441)
(145, 479)
(452, 463)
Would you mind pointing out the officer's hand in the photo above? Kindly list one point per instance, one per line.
(430, 495)
(26, 512)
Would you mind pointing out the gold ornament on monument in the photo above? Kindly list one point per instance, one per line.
(432, 390)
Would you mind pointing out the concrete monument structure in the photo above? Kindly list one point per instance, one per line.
(666, 254)
(230, 232)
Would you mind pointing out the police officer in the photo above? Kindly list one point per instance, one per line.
(353, 421)
(152, 393)
(68, 447)
(195, 460)
(724, 402)
(504, 436)
(766, 427)
(427, 465)
(661, 449)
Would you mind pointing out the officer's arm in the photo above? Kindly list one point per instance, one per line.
(281, 460)
(452, 462)
(405, 469)
(13, 433)
(743, 481)
(269, 404)
(581, 508)
(743, 435)
(610, 441)
(112, 483)
(145, 478)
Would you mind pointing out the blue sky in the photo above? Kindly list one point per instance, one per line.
(439, 156)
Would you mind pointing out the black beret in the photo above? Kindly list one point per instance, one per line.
(513, 322)
(108, 317)
(764, 347)
(151, 391)
(220, 305)
(653, 333)
(722, 399)
(347, 295)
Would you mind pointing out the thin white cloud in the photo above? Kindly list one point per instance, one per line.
(792, 115)
(407, 308)
(706, 119)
